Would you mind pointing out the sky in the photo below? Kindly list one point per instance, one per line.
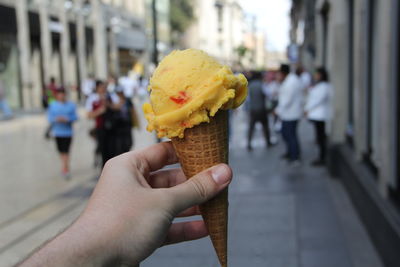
(273, 18)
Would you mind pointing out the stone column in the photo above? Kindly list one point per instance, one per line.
(24, 49)
(100, 42)
(64, 44)
(114, 53)
(386, 128)
(45, 39)
(337, 66)
(81, 43)
(360, 123)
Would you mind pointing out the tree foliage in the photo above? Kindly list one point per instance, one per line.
(181, 15)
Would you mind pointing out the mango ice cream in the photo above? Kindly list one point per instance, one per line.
(187, 88)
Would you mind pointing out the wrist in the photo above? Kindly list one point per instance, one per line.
(100, 240)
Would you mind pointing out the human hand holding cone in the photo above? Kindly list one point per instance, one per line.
(190, 95)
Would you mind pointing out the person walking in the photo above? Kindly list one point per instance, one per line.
(129, 84)
(51, 91)
(4, 107)
(61, 116)
(123, 125)
(48, 98)
(98, 107)
(290, 110)
(257, 109)
(318, 110)
(88, 86)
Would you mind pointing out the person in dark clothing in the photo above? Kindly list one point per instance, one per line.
(123, 123)
(99, 106)
(257, 109)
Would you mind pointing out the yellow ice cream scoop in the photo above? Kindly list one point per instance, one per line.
(188, 87)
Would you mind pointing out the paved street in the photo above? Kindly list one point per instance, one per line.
(279, 216)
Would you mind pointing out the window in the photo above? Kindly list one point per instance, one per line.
(219, 6)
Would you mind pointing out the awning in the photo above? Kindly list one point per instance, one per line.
(133, 39)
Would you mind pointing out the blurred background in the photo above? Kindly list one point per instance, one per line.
(342, 212)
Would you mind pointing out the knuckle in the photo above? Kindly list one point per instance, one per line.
(200, 188)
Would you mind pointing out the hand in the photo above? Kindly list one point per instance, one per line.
(131, 210)
(101, 110)
(61, 119)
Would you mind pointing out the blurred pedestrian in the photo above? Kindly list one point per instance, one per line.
(111, 84)
(290, 110)
(4, 107)
(271, 90)
(257, 109)
(88, 86)
(305, 77)
(61, 115)
(143, 83)
(98, 107)
(51, 91)
(123, 124)
(129, 84)
(318, 110)
(49, 98)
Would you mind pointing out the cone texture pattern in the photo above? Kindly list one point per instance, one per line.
(204, 146)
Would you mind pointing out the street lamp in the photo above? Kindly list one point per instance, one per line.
(155, 35)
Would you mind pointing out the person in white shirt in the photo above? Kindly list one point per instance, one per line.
(290, 110)
(304, 76)
(129, 85)
(318, 110)
(88, 85)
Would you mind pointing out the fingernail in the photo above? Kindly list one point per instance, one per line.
(220, 174)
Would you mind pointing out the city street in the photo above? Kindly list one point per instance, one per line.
(279, 216)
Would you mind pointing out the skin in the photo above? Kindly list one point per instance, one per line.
(131, 210)
(317, 77)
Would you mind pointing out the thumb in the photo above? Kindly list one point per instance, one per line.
(200, 188)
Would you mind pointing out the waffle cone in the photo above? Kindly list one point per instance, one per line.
(204, 146)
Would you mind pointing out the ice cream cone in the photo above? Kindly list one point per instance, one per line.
(204, 146)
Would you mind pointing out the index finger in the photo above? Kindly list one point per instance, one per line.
(155, 157)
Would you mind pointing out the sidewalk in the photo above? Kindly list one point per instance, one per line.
(279, 216)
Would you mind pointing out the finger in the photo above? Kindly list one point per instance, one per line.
(154, 157)
(166, 178)
(190, 212)
(200, 188)
(186, 231)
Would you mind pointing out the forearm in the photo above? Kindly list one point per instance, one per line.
(94, 114)
(73, 247)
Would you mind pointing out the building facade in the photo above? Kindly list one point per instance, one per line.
(66, 40)
(222, 29)
(358, 42)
